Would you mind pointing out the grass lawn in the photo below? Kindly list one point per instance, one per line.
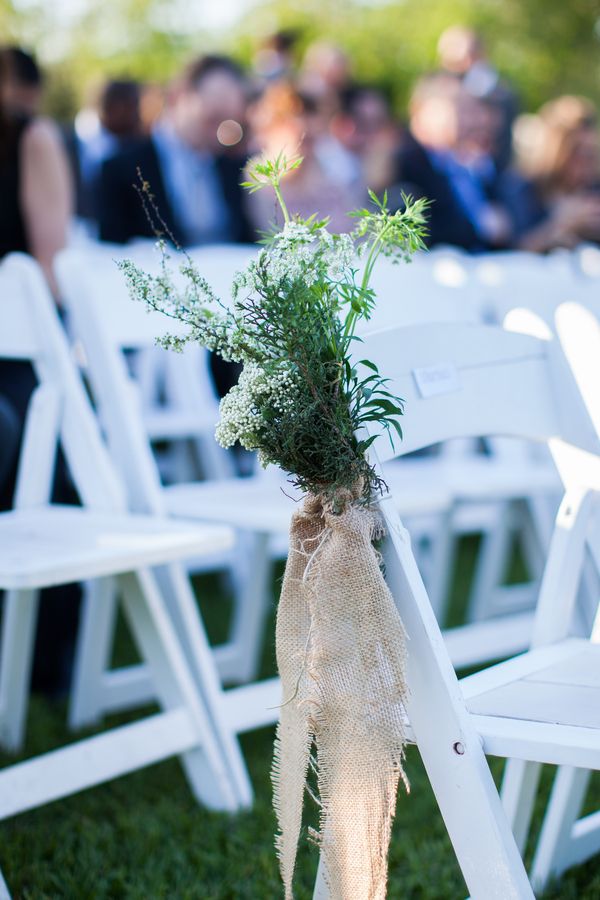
(143, 836)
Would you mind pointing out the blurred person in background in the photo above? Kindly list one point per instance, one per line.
(100, 136)
(35, 186)
(275, 58)
(286, 121)
(35, 208)
(152, 104)
(326, 71)
(428, 164)
(23, 85)
(461, 52)
(192, 161)
(561, 157)
(488, 192)
(365, 137)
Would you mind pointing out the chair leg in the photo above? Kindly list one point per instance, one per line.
(443, 546)
(451, 748)
(239, 659)
(97, 690)
(183, 613)
(93, 651)
(16, 657)
(472, 811)
(204, 765)
(491, 560)
(519, 788)
(480, 835)
(556, 850)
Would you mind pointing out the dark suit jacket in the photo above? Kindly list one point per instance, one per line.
(447, 222)
(121, 215)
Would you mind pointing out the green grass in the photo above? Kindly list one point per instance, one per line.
(143, 836)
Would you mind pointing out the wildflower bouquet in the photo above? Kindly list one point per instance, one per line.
(302, 402)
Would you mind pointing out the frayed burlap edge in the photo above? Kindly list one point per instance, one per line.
(342, 661)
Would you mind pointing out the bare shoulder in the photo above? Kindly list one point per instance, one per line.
(41, 136)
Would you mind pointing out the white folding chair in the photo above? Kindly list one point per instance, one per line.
(565, 839)
(536, 706)
(497, 495)
(188, 407)
(42, 545)
(109, 323)
(177, 396)
(497, 282)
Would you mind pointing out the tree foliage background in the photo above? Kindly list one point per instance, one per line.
(545, 47)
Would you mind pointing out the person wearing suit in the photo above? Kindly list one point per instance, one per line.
(191, 162)
(447, 222)
(431, 163)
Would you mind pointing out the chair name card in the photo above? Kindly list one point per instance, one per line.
(442, 378)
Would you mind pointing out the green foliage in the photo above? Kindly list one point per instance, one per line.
(270, 172)
(301, 402)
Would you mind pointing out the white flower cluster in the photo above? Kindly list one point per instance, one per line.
(299, 253)
(340, 254)
(241, 409)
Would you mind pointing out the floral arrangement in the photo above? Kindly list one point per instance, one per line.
(300, 401)
(304, 403)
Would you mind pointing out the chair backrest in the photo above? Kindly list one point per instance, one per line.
(108, 322)
(478, 381)
(59, 409)
(176, 390)
(508, 280)
(433, 287)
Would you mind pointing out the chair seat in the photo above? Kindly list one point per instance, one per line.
(476, 478)
(266, 504)
(167, 424)
(51, 545)
(536, 702)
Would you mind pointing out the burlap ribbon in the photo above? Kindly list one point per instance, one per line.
(341, 656)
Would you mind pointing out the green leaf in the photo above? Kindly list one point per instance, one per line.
(368, 364)
(363, 446)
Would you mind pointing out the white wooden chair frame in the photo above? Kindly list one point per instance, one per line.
(454, 724)
(44, 545)
(565, 839)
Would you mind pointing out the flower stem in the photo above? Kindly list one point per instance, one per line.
(279, 195)
(374, 252)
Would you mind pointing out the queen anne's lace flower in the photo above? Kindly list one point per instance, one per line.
(242, 409)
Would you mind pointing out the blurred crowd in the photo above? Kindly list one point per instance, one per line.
(496, 179)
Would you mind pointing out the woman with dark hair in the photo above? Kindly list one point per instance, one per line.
(34, 217)
(35, 207)
(34, 184)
